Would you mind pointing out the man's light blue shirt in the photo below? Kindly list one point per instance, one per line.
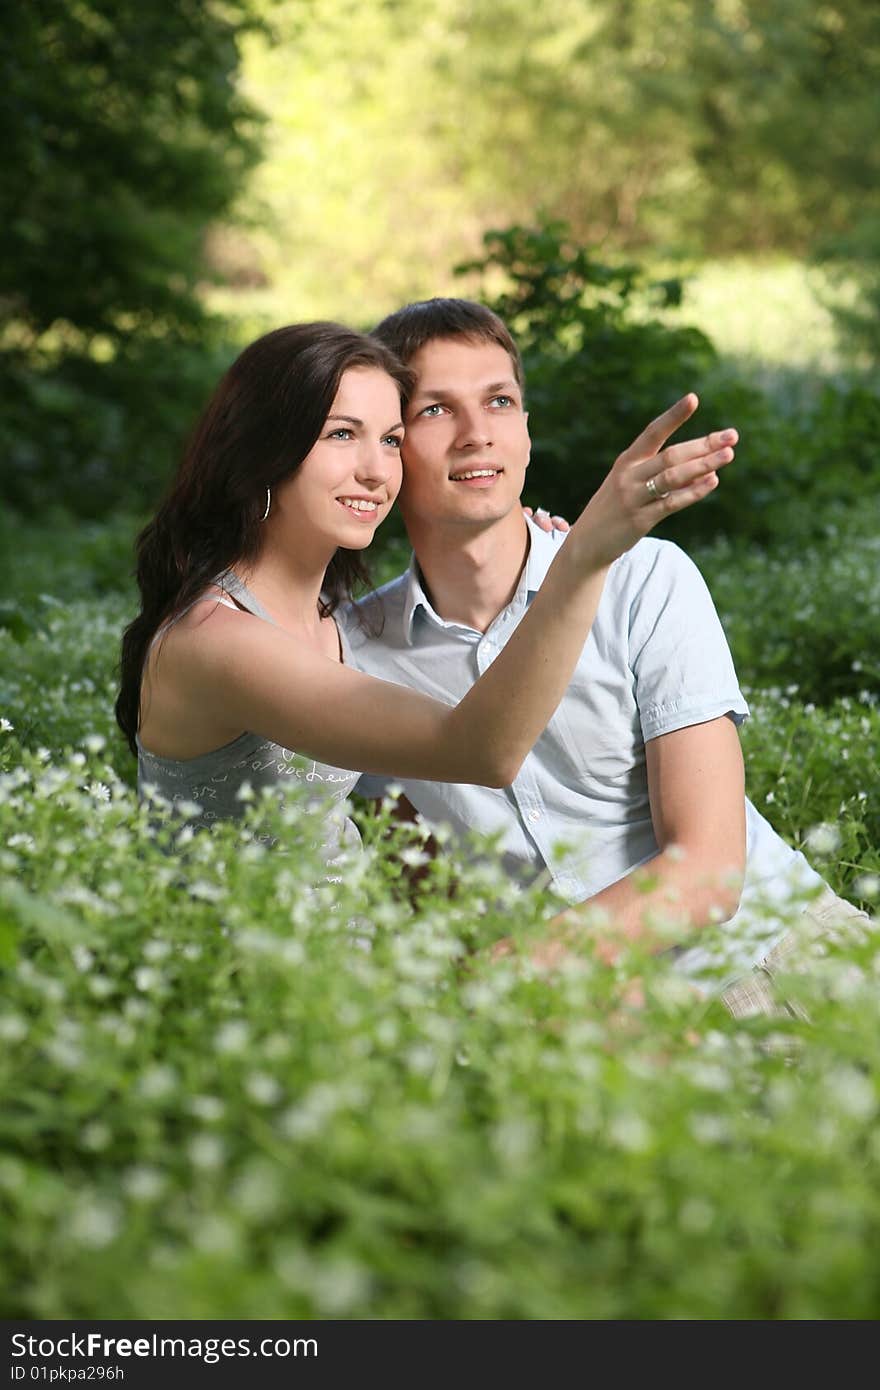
(656, 660)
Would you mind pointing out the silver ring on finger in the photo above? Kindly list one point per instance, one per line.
(653, 491)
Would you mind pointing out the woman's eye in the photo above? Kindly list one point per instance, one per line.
(502, 401)
(395, 440)
(342, 433)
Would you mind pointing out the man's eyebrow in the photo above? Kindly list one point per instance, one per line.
(359, 424)
(441, 391)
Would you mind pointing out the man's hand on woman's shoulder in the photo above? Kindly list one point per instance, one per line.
(542, 518)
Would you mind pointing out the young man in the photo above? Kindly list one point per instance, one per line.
(641, 765)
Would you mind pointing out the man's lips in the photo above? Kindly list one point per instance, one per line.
(475, 476)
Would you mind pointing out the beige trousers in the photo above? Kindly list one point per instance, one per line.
(756, 993)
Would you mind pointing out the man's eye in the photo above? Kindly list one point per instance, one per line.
(502, 401)
(432, 411)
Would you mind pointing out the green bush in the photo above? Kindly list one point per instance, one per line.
(804, 618)
(95, 438)
(599, 367)
(806, 459)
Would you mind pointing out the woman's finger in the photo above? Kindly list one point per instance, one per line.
(695, 492)
(686, 452)
(654, 436)
(672, 479)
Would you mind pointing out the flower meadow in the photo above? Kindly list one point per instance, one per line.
(231, 1089)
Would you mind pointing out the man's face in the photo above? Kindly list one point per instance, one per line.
(467, 443)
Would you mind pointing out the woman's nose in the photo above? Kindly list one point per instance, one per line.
(376, 464)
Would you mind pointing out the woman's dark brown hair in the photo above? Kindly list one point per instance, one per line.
(262, 421)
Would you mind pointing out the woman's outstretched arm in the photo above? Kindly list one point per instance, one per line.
(270, 684)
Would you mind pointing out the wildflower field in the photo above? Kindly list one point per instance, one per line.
(226, 1092)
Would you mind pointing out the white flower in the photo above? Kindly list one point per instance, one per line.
(262, 1088)
(96, 1136)
(867, 886)
(630, 1132)
(94, 743)
(99, 790)
(82, 957)
(823, 839)
(412, 857)
(143, 1183)
(157, 1082)
(232, 1037)
(6, 727)
(245, 792)
(12, 1028)
(155, 949)
(207, 1108)
(206, 1151)
(215, 1235)
(94, 1223)
(852, 1093)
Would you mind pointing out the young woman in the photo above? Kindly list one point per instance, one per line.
(235, 661)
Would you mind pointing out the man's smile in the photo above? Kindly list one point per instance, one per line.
(476, 476)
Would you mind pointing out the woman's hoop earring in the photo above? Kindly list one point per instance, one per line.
(268, 503)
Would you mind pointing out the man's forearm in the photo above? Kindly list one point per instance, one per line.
(658, 905)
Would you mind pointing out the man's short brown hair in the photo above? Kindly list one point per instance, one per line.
(407, 330)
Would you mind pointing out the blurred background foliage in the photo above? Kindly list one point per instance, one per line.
(686, 196)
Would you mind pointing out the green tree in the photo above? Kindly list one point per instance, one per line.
(125, 137)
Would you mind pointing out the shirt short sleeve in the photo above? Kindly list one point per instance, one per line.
(678, 652)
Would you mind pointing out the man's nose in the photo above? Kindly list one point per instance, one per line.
(474, 430)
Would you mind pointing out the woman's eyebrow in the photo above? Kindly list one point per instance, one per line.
(359, 424)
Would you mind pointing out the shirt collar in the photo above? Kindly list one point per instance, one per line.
(542, 549)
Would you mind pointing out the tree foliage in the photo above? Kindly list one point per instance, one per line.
(125, 137)
(691, 127)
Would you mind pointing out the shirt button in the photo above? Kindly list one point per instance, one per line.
(534, 817)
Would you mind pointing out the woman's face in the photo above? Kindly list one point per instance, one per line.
(345, 486)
